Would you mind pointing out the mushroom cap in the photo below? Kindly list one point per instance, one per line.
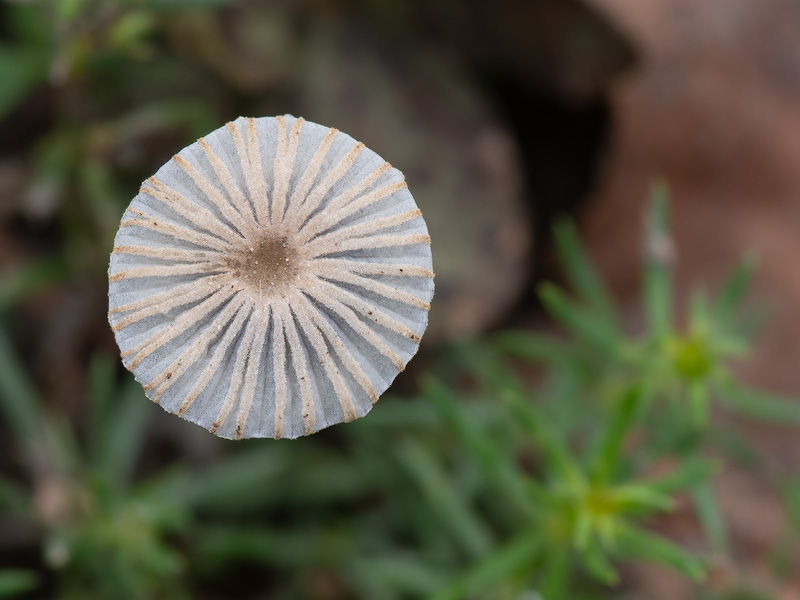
(270, 280)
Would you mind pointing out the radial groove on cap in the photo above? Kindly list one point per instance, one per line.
(270, 280)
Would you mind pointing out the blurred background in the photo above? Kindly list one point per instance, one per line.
(503, 116)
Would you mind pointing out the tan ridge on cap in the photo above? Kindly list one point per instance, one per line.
(270, 280)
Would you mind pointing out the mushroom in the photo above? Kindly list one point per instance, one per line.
(270, 280)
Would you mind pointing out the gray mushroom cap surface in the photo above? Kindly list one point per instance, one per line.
(272, 279)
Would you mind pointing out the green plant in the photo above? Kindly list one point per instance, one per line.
(580, 461)
(490, 483)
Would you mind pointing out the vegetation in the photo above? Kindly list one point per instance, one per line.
(481, 486)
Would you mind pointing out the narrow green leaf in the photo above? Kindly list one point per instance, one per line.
(583, 324)
(636, 543)
(101, 390)
(697, 392)
(485, 362)
(761, 405)
(496, 568)
(367, 583)
(400, 413)
(690, 473)
(708, 512)
(735, 287)
(622, 418)
(556, 574)
(579, 271)
(659, 257)
(582, 530)
(492, 462)
(534, 346)
(739, 450)
(790, 492)
(60, 444)
(699, 314)
(725, 346)
(404, 574)
(598, 566)
(452, 508)
(750, 321)
(330, 477)
(19, 400)
(238, 482)
(643, 498)
(546, 436)
(221, 545)
(123, 435)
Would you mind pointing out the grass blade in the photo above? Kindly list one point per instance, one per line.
(556, 573)
(761, 405)
(535, 347)
(659, 257)
(708, 512)
(689, 474)
(580, 273)
(553, 446)
(219, 546)
(493, 463)
(497, 567)
(101, 390)
(19, 400)
(582, 323)
(124, 435)
(735, 287)
(237, 483)
(405, 574)
(598, 565)
(454, 512)
(638, 544)
(608, 450)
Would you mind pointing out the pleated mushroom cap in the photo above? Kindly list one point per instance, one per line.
(270, 280)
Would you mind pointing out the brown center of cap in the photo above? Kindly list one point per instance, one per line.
(266, 266)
